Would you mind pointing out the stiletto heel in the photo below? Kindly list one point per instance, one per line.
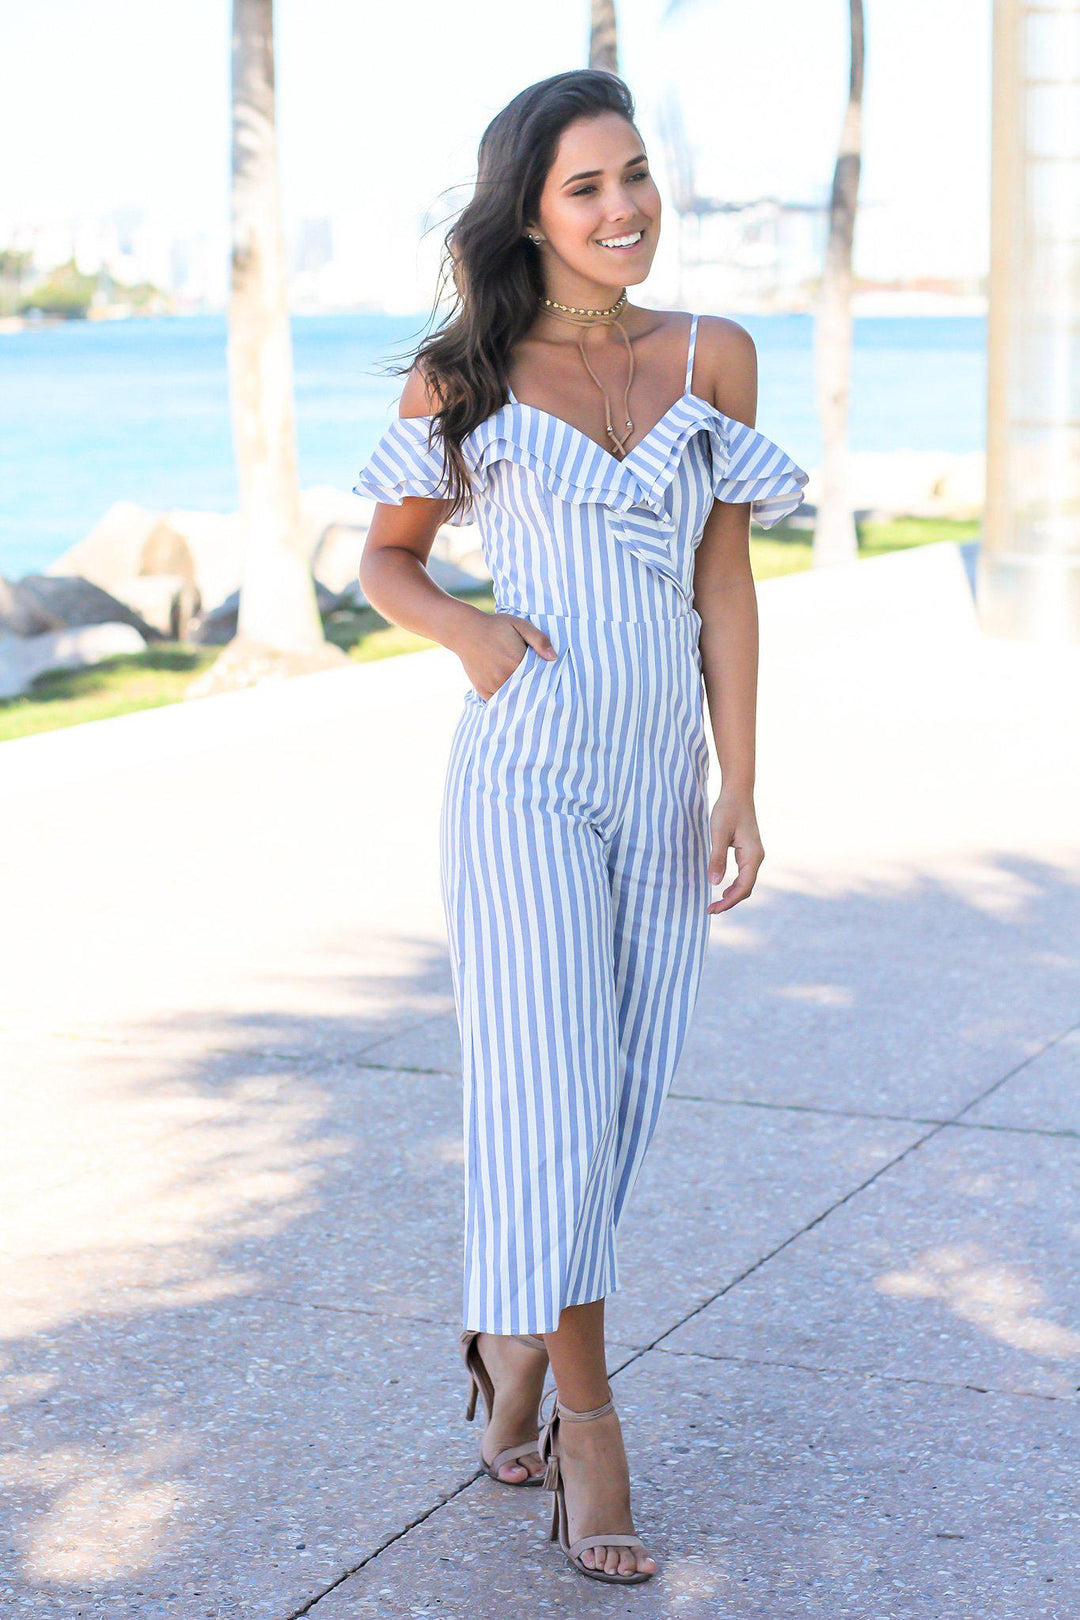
(480, 1384)
(560, 1518)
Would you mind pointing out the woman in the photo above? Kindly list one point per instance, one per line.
(608, 455)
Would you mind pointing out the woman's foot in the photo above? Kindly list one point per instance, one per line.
(593, 1463)
(517, 1371)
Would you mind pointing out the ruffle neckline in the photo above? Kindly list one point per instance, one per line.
(575, 468)
(746, 467)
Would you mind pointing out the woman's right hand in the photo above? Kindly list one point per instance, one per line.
(495, 647)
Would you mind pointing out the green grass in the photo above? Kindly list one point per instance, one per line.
(67, 697)
(785, 550)
(122, 685)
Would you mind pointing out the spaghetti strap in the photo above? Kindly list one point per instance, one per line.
(690, 352)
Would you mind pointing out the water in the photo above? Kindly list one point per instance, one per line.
(137, 410)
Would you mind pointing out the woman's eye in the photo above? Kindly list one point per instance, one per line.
(643, 174)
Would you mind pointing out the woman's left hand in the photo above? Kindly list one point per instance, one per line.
(733, 825)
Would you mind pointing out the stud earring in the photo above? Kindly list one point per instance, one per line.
(533, 238)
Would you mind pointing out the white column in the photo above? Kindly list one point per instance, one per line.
(1028, 580)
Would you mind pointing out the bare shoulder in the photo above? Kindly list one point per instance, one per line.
(418, 397)
(725, 367)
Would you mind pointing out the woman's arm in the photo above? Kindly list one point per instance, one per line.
(724, 596)
(393, 567)
(394, 578)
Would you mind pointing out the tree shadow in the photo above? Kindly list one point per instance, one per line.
(234, 1255)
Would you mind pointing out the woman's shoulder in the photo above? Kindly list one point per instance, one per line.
(714, 329)
(725, 366)
(418, 396)
(723, 340)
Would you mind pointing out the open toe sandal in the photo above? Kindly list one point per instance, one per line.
(548, 1447)
(480, 1383)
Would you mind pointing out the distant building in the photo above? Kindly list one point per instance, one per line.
(756, 252)
(313, 246)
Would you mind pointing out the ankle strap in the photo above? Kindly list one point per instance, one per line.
(597, 1411)
(558, 1410)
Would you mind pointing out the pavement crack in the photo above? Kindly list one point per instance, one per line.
(865, 1374)
(376, 1552)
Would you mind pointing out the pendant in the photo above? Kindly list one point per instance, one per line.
(621, 442)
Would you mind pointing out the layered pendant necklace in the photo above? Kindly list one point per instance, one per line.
(601, 317)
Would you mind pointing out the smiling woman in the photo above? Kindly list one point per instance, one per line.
(576, 839)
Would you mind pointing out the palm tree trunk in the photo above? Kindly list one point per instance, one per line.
(277, 598)
(604, 36)
(835, 538)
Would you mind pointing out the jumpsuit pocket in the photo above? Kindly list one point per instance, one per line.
(514, 676)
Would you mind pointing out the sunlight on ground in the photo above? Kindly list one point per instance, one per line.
(999, 1300)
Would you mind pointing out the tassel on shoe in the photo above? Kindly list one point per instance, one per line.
(551, 1473)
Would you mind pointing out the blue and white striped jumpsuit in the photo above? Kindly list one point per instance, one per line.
(574, 829)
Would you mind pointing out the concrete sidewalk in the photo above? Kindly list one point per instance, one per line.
(847, 1355)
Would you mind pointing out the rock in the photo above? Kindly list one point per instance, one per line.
(22, 615)
(216, 543)
(324, 506)
(23, 658)
(167, 553)
(128, 540)
(73, 602)
(166, 601)
(448, 576)
(336, 557)
(219, 625)
(467, 574)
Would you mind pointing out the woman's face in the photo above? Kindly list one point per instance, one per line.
(599, 187)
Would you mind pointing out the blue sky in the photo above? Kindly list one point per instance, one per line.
(121, 103)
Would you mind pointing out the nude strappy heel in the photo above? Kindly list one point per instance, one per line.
(480, 1382)
(560, 1518)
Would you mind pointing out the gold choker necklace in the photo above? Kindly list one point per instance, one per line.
(601, 317)
(572, 309)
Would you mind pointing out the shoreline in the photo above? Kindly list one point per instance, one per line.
(867, 305)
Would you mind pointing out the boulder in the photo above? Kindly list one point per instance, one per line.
(324, 506)
(336, 558)
(216, 543)
(448, 576)
(23, 658)
(218, 626)
(73, 602)
(168, 602)
(128, 540)
(22, 615)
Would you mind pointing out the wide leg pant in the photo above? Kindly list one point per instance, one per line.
(574, 846)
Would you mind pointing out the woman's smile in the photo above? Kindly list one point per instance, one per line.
(626, 242)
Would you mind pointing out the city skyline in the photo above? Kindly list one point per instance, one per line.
(359, 164)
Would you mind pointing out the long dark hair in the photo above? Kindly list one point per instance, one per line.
(494, 266)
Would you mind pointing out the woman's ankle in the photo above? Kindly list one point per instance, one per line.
(582, 1400)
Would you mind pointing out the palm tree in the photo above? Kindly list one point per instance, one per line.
(835, 538)
(278, 627)
(603, 36)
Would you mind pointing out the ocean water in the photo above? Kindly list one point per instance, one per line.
(137, 410)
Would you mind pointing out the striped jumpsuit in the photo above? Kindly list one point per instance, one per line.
(574, 828)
